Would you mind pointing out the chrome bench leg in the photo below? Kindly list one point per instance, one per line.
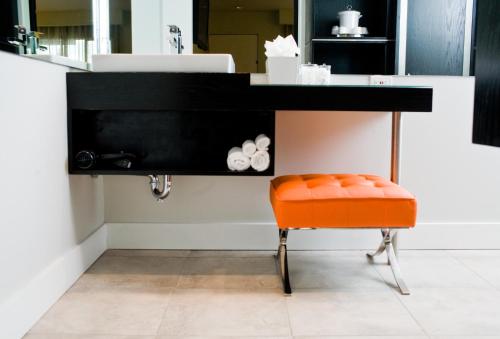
(388, 246)
(282, 259)
(381, 248)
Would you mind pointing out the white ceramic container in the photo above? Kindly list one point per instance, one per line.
(349, 19)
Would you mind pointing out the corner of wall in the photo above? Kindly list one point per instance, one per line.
(25, 307)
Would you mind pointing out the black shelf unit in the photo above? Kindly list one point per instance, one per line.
(173, 123)
(371, 54)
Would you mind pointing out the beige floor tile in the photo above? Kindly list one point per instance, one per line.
(107, 311)
(484, 264)
(363, 337)
(431, 272)
(112, 271)
(219, 337)
(334, 272)
(356, 253)
(219, 272)
(423, 253)
(149, 253)
(456, 311)
(474, 253)
(231, 254)
(226, 312)
(83, 336)
(349, 313)
(237, 294)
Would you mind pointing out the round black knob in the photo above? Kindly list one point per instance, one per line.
(85, 159)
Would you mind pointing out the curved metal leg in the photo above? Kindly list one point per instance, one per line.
(395, 241)
(381, 248)
(282, 259)
(396, 271)
(388, 247)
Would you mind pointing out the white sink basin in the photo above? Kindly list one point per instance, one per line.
(61, 60)
(189, 63)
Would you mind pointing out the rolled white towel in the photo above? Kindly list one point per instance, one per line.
(249, 148)
(236, 160)
(262, 142)
(260, 161)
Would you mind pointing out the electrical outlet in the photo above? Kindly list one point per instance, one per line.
(381, 80)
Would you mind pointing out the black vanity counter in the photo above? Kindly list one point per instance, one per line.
(209, 91)
(185, 123)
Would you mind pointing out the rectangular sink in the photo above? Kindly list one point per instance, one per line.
(185, 63)
(61, 60)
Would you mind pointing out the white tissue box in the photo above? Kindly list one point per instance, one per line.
(282, 70)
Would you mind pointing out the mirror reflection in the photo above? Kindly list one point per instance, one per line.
(240, 28)
(65, 29)
(353, 37)
(67, 32)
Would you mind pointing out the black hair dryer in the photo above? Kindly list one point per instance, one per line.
(89, 159)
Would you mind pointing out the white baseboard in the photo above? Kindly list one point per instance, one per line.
(19, 313)
(225, 236)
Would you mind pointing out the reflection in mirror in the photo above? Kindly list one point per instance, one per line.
(66, 28)
(78, 29)
(15, 22)
(240, 28)
(66, 31)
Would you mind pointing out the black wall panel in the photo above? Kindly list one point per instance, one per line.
(435, 37)
(8, 14)
(486, 68)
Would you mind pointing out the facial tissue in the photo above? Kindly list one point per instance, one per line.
(282, 47)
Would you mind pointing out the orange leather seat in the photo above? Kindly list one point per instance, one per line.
(341, 201)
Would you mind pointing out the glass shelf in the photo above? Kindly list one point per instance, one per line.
(365, 40)
(336, 86)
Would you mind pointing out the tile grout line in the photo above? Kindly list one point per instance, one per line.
(164, 313)
(475, 273)
(288, 317)
(397, 295)
(284, 296)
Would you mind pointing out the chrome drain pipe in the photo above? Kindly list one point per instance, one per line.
(160, 194)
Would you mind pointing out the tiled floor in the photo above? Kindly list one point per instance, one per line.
(203, 294)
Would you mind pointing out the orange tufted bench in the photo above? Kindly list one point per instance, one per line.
(341, 201)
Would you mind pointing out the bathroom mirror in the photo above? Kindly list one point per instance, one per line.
(75, 29)
(67, 32)
(241, 27)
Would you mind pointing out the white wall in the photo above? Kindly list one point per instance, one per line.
(149, 24)
(46, 217)
(146, 27)
(456, 182)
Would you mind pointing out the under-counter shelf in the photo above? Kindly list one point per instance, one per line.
(161, 142)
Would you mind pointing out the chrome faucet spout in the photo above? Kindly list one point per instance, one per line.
(175, 39)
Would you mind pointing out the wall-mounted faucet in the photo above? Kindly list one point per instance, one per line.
(175, 39)
(20, 38)
(29, 42)
(34, 43)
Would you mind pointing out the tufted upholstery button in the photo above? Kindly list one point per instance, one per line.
(341, 200)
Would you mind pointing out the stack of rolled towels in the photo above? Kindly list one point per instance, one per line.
(253, 153)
